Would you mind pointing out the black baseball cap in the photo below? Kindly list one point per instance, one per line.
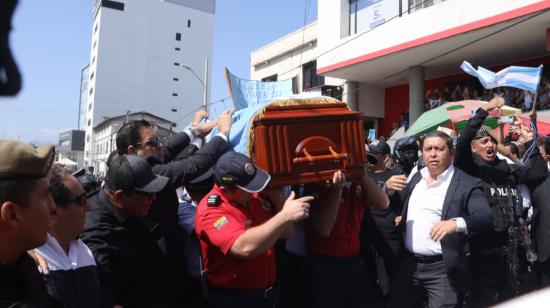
(379, 147)
(235, 169)
(133, 173)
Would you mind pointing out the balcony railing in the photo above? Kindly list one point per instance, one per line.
(416, 5)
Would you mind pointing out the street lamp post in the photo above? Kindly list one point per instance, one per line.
(204, 83)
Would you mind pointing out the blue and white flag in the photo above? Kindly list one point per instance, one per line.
(247, 93)
(521, 77)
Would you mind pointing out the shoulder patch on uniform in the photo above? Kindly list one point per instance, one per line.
(213, 200)
(220, 223)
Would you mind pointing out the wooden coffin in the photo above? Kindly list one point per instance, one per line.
(302, 144)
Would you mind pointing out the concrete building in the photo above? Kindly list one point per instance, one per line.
(294, 56)
(71, 146)
(391, 51)
(148, 55)
(104, 133)
(83, 102)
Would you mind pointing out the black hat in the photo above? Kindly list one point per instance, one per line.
(204, 181)
(379, 147)
(87, 181)
(133, 173)
(235, 169)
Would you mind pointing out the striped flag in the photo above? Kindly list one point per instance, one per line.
(521, 77)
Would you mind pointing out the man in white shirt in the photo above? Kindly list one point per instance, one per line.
(443, 206)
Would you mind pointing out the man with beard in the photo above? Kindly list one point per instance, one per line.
(498, 260)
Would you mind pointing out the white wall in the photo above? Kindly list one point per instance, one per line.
(284, 57)
(371, 101)
(434, 19)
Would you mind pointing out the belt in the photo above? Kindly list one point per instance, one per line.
(424, 259)
(265, 293)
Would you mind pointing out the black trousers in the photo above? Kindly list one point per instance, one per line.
(543, 273)
(229, 298)
(415, 280)
(338, 282)
(292, 285)
(492, 283)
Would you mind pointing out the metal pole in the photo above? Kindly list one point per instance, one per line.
(205, 94)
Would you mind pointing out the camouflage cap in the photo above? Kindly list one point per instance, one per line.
(485, 131)
(21, 161)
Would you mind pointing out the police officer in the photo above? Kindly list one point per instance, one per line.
(498, 260)
(406, 153)
(237, 228)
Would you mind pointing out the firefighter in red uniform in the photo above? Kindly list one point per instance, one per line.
(237, 228)
(335, 273)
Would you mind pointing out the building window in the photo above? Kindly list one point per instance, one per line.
(176, 64)
(176, 79)
(94, 44)
(92, 76)
(95, 28)
(177, 49)
(113, 5)
(270, 78)
(188, 23)
(178, 36)
(89, 122)
(310, 79)
(90, 106)
(174, 94)
(93, 60)
(91, 90)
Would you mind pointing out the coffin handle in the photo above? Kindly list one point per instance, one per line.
(308, 158)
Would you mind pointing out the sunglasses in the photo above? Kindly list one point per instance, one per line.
(154, 142)
(79, 200)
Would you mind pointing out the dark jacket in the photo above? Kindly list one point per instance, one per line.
(170, 272)
(497, 176)
(464, 198)
(540, 197)
(533, 172)
(21, 285)
(121, 253)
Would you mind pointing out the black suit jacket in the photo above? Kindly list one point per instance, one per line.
(540, 197)
(464, 198)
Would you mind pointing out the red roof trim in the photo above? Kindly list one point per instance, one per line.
(489, 21)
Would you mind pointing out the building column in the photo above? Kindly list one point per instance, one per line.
(351, 94)
(416, 93)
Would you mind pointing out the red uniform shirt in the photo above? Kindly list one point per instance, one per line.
(218, 227)
(343, 240)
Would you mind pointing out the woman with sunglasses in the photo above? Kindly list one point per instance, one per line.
(65, 261)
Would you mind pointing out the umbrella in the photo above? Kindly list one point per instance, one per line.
(455, 115)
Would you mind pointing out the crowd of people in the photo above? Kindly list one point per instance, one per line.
(440, 221)
(517, 98)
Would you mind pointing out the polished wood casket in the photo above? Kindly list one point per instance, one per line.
(306, 143)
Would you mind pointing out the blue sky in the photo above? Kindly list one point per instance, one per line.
(51, 40)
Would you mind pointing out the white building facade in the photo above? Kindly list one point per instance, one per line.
(294, 56)
(391, 51)
(140, 57)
